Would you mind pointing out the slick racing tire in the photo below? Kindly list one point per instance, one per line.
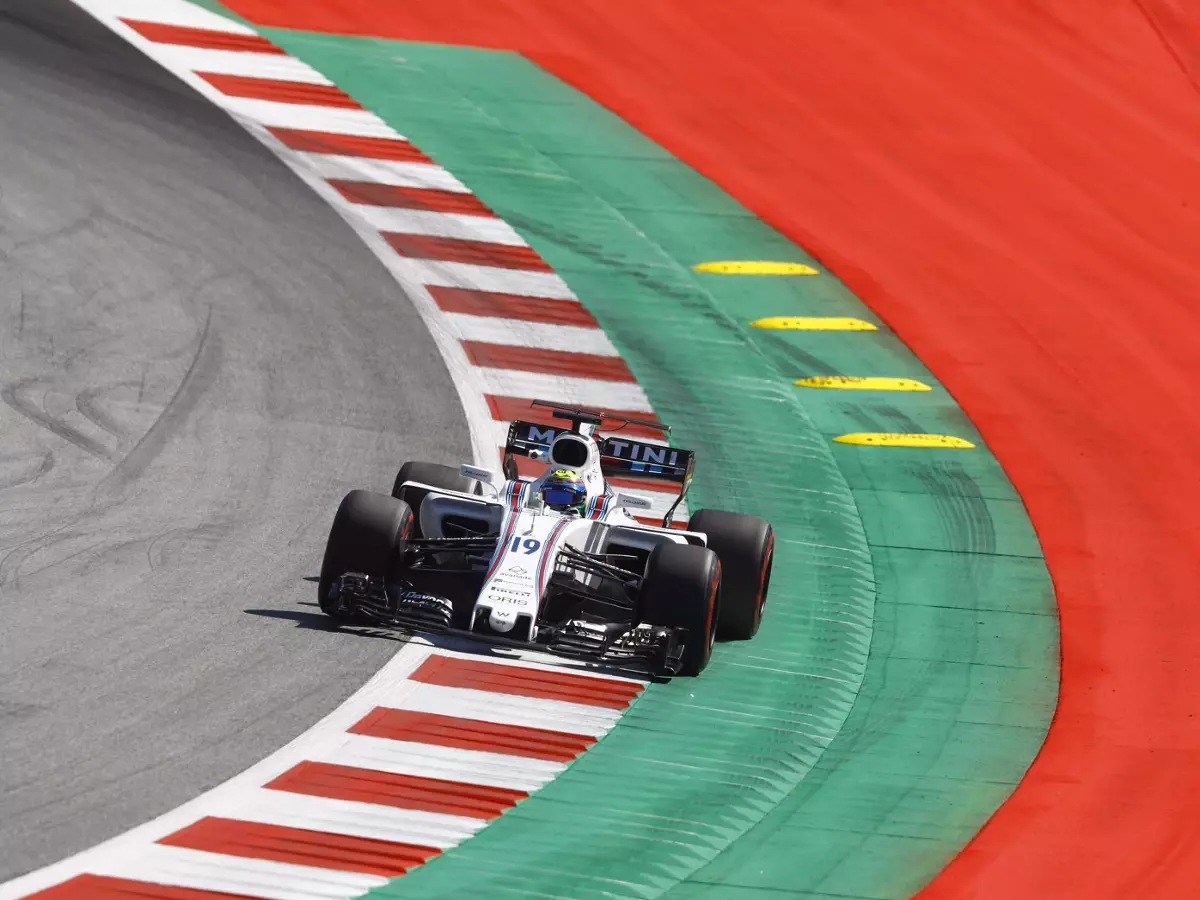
(746, 548)
(368, 532)
(447, 478)
(682, 589)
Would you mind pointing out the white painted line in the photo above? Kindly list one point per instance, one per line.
(440, 224)
(562, 389)
(519, 333)
(348, 817)
(445, 763)
(480, 278)
(240, 62)
(332, 119)
(383, 171)
(181, 867)
(166, 12)
(509, 709)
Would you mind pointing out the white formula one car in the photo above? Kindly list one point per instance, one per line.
(557, 563)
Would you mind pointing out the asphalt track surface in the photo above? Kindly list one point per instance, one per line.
(197, 359)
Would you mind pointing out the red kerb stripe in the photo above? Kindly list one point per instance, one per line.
(549, 362)
(280, 91)
(371, 193)
(102, 887)
(300, 846)
(449, 671)
(656, 522)
(403, 791)
(653, 485)
(469, 734)
(512, 306)
(479, 253)
(391, 149)
(201, 37)
(505, 409)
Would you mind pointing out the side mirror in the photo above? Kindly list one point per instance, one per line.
(633, 500)
(486, 476)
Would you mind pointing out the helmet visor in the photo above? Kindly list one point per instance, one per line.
(561, 496)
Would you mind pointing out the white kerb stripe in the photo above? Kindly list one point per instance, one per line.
(446, 763)
(509, 709)
(383, 171)
(240, 62)
(167, 12)
(590, 392)
(519, 333)
(440, 224)
(349, 817)
(181, 867)
(336, 120)
(478, 278)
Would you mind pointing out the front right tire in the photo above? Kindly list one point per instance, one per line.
(368, 532)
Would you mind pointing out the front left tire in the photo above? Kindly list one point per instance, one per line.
(682, 588)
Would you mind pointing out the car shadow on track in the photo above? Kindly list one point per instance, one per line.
(317, 621)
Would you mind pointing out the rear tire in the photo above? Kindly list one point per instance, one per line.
(746, 548)
(368, 532)
(446, 478)
(682, 588)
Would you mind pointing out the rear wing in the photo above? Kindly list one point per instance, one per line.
(640, 459)
(618, 456)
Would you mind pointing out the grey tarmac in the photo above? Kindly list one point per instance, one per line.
(198, 358)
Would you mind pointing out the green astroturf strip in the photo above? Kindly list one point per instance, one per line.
(906, 670)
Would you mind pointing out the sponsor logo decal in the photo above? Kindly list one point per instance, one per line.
(647, 453)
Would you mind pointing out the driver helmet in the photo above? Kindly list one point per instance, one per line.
(564, 491)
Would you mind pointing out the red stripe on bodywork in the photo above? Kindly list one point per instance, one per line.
(449, 671)
(477, 253)
(391, 149)
(204, 38)
(512, 306)
(548, 556)
(372, 193)
(549, 362)
(455, 798)
(512, 499)
(470, 734)
(300, 846)
(505, 409)
(280, 91)
(102, 887)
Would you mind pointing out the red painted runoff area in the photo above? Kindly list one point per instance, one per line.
(1014, 188)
